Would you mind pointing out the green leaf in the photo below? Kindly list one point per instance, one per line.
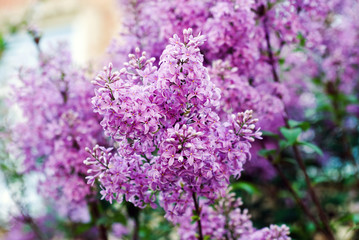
(246, 186)
(313, 147)
(301, 39)
(349, 218)
(155, 152)
(120, 218)
(303, 125)
(270, 134)
(206, 237)
(283, 144)
(80, 229)
(288, 160)
(102, 221)
(2, 44)
(266, 152)
(195, 218)
(317, 80)
(291, 135)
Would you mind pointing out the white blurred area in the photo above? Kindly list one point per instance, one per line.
(87, 25)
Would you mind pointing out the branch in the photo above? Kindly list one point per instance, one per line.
(297, 155)
(198, 212)
(102, 231)
(292, 191)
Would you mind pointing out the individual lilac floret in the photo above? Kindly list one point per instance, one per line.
(244, 125)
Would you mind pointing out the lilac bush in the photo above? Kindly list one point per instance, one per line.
(236, 35)
(57, 127)
(257, 44)
(57, 124)
(255, 87)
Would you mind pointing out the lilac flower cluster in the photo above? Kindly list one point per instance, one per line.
(236, 31)
(57, 125)
(237, 34)
(238, 94)
(141, 18)
(340, 57)
(235, 51)
(28, 228)
(225, 220)
(265, 101)
(169, 140)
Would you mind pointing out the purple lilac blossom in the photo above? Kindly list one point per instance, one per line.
(168, 139)
(22, 227)
(226, 220)
(236, 35)
(57, 124)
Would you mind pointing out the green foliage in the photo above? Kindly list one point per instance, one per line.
(312, 146)
(302, 125)
(247, 187)
(206, 237)
(2, 44)
(153, 226)
(266, 152)
(301, 39)
(195, 218)
(291, 134)
(270, 134)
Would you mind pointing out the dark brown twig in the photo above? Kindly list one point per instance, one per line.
(297, 155)
(134, 213)
(292, 191)
(269, 50)
(198, 212)
(312, 193)
(96, 215)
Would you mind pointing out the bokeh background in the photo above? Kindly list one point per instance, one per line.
(87, 25)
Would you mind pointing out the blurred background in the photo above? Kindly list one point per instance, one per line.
(87, 25)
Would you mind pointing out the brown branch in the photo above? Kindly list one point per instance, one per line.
(134, 213)
(333, 90)
(312, 193)
(198, 212)
(102, 231)
(292, 191)
(30, 221)
(297, 155)
(269, 50)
